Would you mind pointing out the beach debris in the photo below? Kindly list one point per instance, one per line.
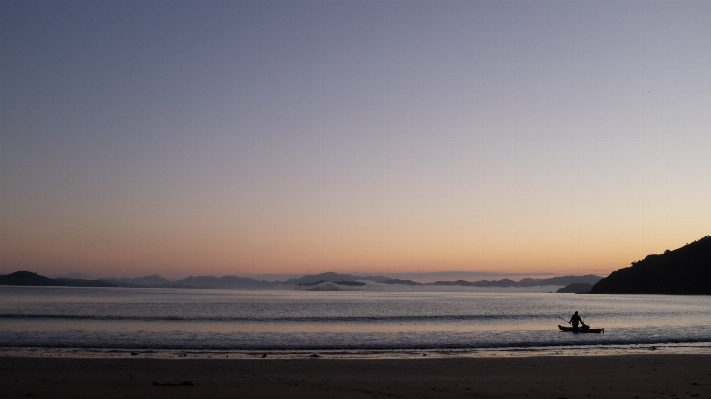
(172, 384)
(264, 355)
(314, 356)
(134, 353)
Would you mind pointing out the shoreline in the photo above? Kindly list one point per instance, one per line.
(701, 348)
(623, 376)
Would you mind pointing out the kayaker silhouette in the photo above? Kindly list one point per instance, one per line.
(575, 319)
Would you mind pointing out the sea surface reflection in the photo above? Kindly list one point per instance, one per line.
(61, 317)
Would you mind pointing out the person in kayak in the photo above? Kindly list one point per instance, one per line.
(575, 320)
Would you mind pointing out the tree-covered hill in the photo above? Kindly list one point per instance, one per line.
(683, 271)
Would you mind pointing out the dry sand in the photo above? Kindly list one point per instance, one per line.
(625, 376)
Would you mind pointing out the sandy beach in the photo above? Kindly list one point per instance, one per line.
(624, 376)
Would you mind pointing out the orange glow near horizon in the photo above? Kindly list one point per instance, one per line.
(314, 248)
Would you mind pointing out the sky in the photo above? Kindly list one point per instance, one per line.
(255, 137)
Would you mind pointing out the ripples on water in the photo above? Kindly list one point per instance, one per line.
(59, 317)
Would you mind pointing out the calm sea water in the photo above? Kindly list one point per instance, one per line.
(111, 318)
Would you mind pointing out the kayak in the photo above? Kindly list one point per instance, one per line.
(582, 330)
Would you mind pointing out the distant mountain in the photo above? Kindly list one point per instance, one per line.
(325, 286)
(330, 281)
(481, 283)
(526, 282)
(350, 283)
(503, 283)
(27, 278)
(228, 282)
(153, 279)
(334, 280)
(33, 279)
(402, 282)
(311, 284)
(564, 280)
(76, 282)
(347, 283)
(575, 288)
(224, 282)
(683, 271)
(333, 277)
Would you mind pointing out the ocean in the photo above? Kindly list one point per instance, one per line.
(345, 323)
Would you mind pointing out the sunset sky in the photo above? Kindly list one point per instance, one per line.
(238, 138)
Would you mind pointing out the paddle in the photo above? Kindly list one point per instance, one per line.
(564, 320)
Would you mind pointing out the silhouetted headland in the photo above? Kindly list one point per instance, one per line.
(683, 271)
(575, 288)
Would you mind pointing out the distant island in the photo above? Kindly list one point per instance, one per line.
(683, 271)
(35, 280)
(329, 281)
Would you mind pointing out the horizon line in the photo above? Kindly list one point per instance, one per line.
(482, 275)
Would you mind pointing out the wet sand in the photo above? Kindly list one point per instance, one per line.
(626, 376)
